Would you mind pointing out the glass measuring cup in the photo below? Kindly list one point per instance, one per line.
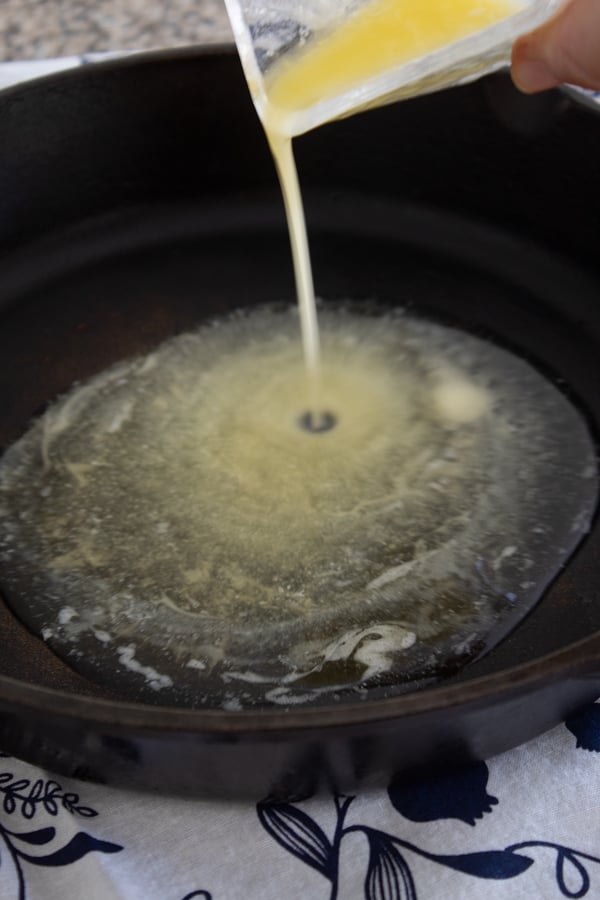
(414, 46)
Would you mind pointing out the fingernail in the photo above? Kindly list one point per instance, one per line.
(532, 76)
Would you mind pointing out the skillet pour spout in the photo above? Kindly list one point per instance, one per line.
(139, 200)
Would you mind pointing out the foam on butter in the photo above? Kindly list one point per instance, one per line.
(168, 525)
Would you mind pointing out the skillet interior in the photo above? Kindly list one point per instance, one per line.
(129, 189)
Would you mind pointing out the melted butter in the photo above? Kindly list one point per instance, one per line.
(171, 523)
(281, 147)
(378, 36)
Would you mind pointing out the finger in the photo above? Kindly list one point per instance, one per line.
(564, 49)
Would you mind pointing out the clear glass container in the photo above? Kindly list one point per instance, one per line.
(386, 50)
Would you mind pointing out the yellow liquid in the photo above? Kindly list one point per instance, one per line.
(380, 35)
(281, 148)
(167, 524)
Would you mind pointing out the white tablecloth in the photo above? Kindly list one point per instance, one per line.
(524, 825)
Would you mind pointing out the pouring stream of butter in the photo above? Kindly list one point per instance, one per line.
(377, 36)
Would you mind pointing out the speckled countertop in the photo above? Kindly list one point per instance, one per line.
(37, 29)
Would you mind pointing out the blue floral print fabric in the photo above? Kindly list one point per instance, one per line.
(523, 825)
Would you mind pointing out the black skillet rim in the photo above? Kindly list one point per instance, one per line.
(570, 662)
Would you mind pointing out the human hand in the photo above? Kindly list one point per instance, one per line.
(566, 48)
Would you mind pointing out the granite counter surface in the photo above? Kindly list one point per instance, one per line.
(37, 29)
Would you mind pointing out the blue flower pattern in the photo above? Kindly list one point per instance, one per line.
(462, 796)
(26, 797)
(389, 872)
(585, 725)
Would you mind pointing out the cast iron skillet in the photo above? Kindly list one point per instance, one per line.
(138, 198)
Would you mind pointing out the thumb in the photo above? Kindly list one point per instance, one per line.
(566, 48)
